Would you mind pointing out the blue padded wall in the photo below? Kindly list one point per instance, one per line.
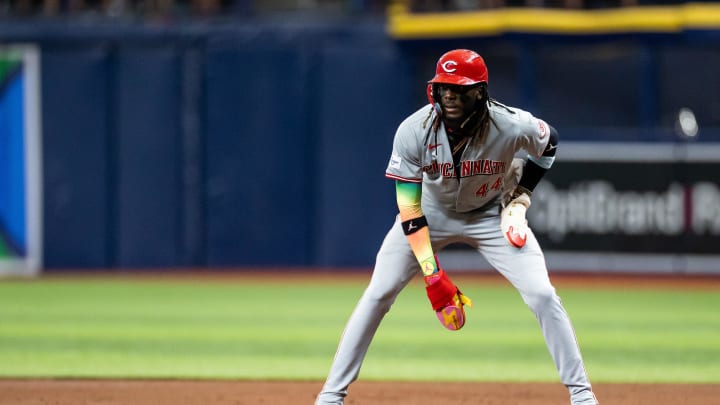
(147, 149)
(76, 145)
(366, 92)
(266, 145)
(258, 143)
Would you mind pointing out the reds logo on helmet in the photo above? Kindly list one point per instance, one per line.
(462, 67)
(449, 66)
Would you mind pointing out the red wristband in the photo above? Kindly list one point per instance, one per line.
(440, 290)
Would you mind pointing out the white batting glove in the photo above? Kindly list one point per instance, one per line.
(512, 220)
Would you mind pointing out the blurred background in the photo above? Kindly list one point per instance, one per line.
(166, 134)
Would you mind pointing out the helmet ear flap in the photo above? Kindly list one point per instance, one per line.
(432, 95)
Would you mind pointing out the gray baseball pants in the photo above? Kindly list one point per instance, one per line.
(396, 265)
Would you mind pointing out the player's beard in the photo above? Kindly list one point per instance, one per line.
(458, 115)
(461, 122)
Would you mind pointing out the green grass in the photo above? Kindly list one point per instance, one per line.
(289, 330)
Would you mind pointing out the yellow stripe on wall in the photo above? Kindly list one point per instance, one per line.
(403, 24)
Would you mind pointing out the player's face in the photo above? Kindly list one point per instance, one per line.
(458, 101)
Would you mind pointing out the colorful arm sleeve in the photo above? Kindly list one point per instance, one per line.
(414, 225)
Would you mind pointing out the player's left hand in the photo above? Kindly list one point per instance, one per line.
(447, 300)
(452, 316)
(513, 222)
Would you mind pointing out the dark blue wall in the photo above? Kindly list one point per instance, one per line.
(259, 156)
(245, 144)
(78, 185)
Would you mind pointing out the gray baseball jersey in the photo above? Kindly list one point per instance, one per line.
(419, 156)
(461, 211)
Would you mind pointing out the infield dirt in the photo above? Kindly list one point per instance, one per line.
(114, 392)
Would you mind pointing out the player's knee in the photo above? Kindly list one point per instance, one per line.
(541, 298)
(382, 299)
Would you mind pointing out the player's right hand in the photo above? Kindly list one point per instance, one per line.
(447, 300)
(512, 220)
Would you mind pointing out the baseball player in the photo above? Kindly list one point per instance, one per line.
(458, 181)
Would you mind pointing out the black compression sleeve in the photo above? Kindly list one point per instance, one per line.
(533, 173)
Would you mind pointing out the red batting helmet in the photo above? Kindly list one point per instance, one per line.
(462, 67)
